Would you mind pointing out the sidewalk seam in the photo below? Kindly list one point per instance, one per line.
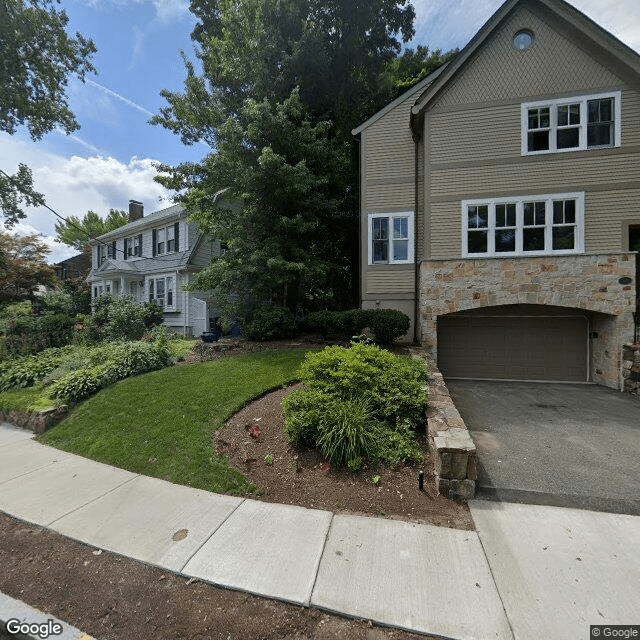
(495, 584)
(102, 495)
(317, 567)
(26, 473)
(242, 501)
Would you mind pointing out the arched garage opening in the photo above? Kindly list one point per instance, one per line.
(516, 342)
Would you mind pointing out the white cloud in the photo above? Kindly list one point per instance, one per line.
(445, 25)
(73, 186)
(167, 11)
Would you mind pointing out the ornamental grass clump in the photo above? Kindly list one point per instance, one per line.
(359, 404)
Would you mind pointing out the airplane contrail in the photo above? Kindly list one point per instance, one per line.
(122, 98)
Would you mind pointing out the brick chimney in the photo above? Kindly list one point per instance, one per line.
(136, 210)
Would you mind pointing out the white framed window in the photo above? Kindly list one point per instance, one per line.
(162, 292)
(571, 124)
(390, 238)
(523, 225)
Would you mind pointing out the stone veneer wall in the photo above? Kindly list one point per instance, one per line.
(588, 282)
(36, 421)
(631, 369)
(454, 452)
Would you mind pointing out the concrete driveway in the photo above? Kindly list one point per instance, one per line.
(554, 444)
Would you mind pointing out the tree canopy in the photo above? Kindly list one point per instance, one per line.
(77, 232)
(23, 266)
(283, 82)
(37, 57)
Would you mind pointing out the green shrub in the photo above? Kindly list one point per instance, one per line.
(271, 323)
(388, 325)
(327, 322)
(108, 364)
(359, 404)
(19, 373)
(356, 320)
(76, 385)
(120, 319)
(304, 410)
(349, 433)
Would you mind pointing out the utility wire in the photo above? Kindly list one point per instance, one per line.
(91, 237)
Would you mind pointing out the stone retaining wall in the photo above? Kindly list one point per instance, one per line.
(36, 421)
(453, 449)
(631, 369)
(586, 282)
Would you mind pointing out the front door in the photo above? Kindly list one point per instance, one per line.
(133, 290)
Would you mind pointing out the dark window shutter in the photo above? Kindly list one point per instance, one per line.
(125, 247)
(154, 238)
(176, 226)
(140, 244)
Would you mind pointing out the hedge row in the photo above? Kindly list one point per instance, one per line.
(387, 325)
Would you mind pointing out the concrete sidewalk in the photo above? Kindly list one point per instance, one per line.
(421, 578)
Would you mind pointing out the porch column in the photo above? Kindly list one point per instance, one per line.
(122, 285)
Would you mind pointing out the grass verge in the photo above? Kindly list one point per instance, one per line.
(161, 424)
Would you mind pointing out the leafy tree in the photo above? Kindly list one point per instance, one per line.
(280, 245)
(415, 64)
(22, 267)
(37, 56)
(283, 83)
(77, 232)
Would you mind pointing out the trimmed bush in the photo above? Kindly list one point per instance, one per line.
(327, 322)
(305, 409)
(388, 325)
(271, 323)
(359, 404)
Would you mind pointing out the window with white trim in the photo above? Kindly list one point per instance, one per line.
(524, 225)
(162, 292)
(390, 238)
(571, 124)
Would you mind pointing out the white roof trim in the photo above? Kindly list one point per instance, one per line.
(564, 11)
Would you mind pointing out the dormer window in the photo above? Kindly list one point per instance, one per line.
(571, 124)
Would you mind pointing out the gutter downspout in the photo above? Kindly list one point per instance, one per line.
(359, 230)
(415, 134)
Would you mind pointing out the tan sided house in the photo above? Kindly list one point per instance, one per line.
(500, 198)
(150, 259)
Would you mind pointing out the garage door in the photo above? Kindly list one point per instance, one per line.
(516, 348)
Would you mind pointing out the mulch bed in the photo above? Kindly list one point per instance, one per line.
(300, 476)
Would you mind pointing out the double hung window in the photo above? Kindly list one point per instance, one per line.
(133, 246)
(571, 124)
(166, 240)
(525, 225)
(161, 291)
(390, 238)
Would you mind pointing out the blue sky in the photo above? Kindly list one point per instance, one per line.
(110, 159)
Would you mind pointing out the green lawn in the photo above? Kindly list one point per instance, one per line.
(161, 423)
